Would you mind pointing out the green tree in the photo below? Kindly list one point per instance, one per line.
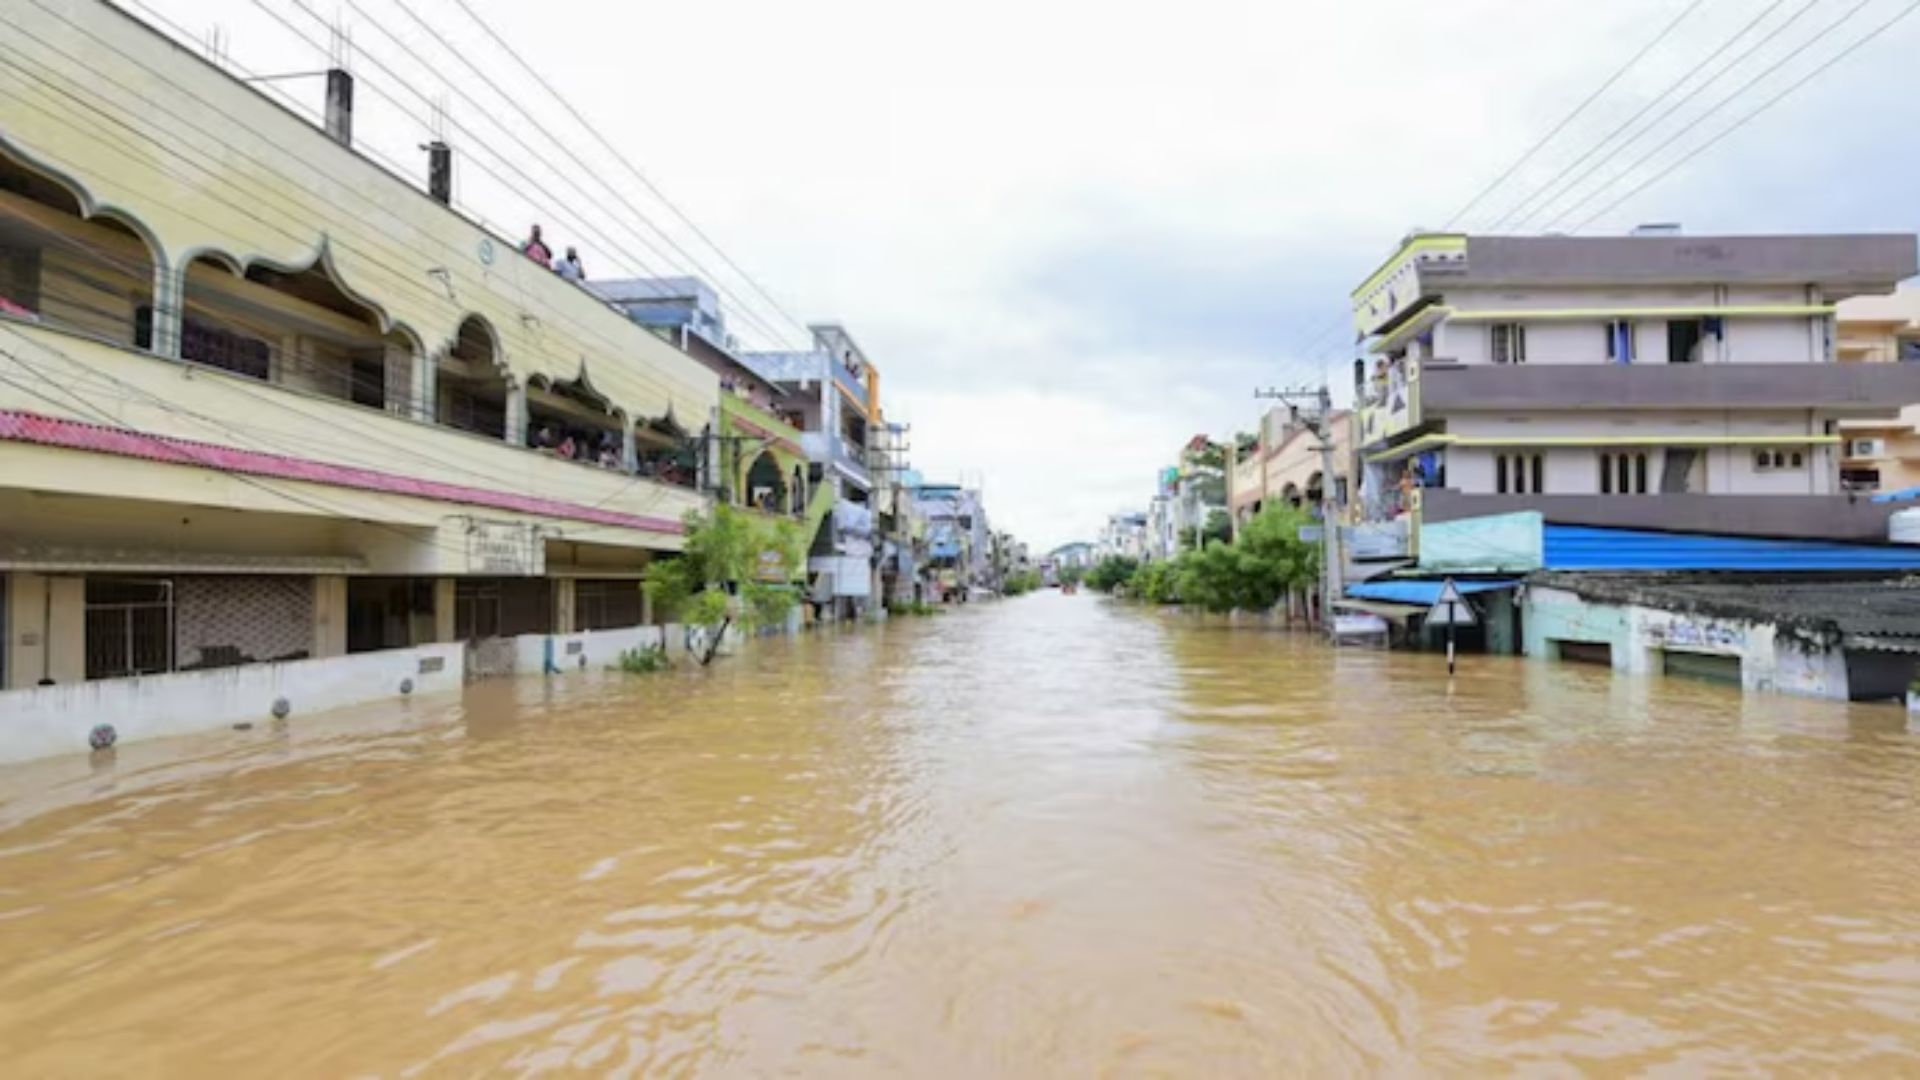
(1253, 573)
(1158, 582)
(736, 569)
(1113, 572)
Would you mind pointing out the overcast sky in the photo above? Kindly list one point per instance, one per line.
(1072, 233)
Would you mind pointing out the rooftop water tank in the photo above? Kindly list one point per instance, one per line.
(1904, 527)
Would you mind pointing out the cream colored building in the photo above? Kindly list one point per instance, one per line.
(1881, 454)
(262, 399)
(1287, 466)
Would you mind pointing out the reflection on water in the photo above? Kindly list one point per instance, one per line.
(1047, 836)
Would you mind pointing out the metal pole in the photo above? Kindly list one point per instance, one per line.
(1329, 525)
(1450, 623)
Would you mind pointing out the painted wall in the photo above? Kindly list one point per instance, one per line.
(1770, 662)
(44, 721)
(209, 406)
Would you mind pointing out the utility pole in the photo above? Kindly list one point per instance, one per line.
(1320, 422)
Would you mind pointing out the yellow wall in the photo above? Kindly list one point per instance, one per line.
(30, 635)
(202, 163)
(123, 388)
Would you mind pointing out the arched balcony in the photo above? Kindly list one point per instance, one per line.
(767, 486)
(471, 386)
(67, 266)
(570, 419)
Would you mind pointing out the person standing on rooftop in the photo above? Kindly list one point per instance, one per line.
(570, 267)
(537, 249)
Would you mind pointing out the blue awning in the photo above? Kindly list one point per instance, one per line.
(1423, 592)
(1903, 495)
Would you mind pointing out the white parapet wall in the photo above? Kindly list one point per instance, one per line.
(590, 650)
(47, 720)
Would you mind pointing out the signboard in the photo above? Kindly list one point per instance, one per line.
(1313, 534)
(1377, 540)
(1451, 609)
(771, 567)
(504, 549)
(1358, 624)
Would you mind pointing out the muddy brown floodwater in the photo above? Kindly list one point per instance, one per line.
(1052, 836)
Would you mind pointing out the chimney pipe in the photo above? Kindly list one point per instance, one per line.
(340, 106)
(440, 172)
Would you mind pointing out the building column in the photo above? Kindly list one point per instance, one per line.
(329, 615)
(516, 433)
(444, 624)
(629, 450)
(563, 606)
(169, 305)
(46, 622)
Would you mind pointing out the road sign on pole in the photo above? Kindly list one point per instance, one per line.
(1450, 609)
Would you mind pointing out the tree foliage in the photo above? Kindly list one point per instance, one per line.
(1111, 573)
(1254, 572)
(719, 580)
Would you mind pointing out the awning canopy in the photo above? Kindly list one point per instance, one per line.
(1423, 592)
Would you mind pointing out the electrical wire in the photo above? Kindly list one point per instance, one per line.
(1587, 102)
(586, 167)
(248, 202)
(1676, 136)
(618, 156)
(1902, 14)
(1552, 189)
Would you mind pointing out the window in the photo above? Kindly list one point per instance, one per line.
(1684, 337)
(1770, 460)
(1519, 474)
(205, 343)
(1509, 343)
(1623, 474)
(1620, 341)
(129, 627)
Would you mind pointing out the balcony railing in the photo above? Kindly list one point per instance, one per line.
(1815, 517)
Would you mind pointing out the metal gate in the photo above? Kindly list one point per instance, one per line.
(129, 627)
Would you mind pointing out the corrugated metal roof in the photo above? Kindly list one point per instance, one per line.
(1423, 592)
(1580, 547)
(74, 435)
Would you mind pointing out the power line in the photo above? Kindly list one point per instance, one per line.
(1529, 203)
(1845, 17)
(611, 149)
(1763, 107)
(404, 277)
(554, 204)
(1598, 91)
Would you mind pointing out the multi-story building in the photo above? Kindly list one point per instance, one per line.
(1653, 381)
(833, 394)
(1124, 536)
(1881, 454)
(261, 398)
(959, 544)
(1286, 465)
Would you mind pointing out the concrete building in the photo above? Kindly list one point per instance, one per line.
(1649, 381)
(1881, 454)
(833, 394)
(1286, 465)
(1124, 536)
(264, 402)
(959, 544)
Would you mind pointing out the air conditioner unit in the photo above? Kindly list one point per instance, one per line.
(1867, 448)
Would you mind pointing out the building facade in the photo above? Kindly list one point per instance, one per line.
(263, 400)
(1652, 381)
(1881, 454)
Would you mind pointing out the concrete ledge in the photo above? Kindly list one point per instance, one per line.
(46, 720)
(1859, 389)
(1788, 517)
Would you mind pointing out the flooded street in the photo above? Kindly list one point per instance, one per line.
(1048, 836)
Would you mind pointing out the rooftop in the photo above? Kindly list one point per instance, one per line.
(1837, 262)
(1824, 609)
